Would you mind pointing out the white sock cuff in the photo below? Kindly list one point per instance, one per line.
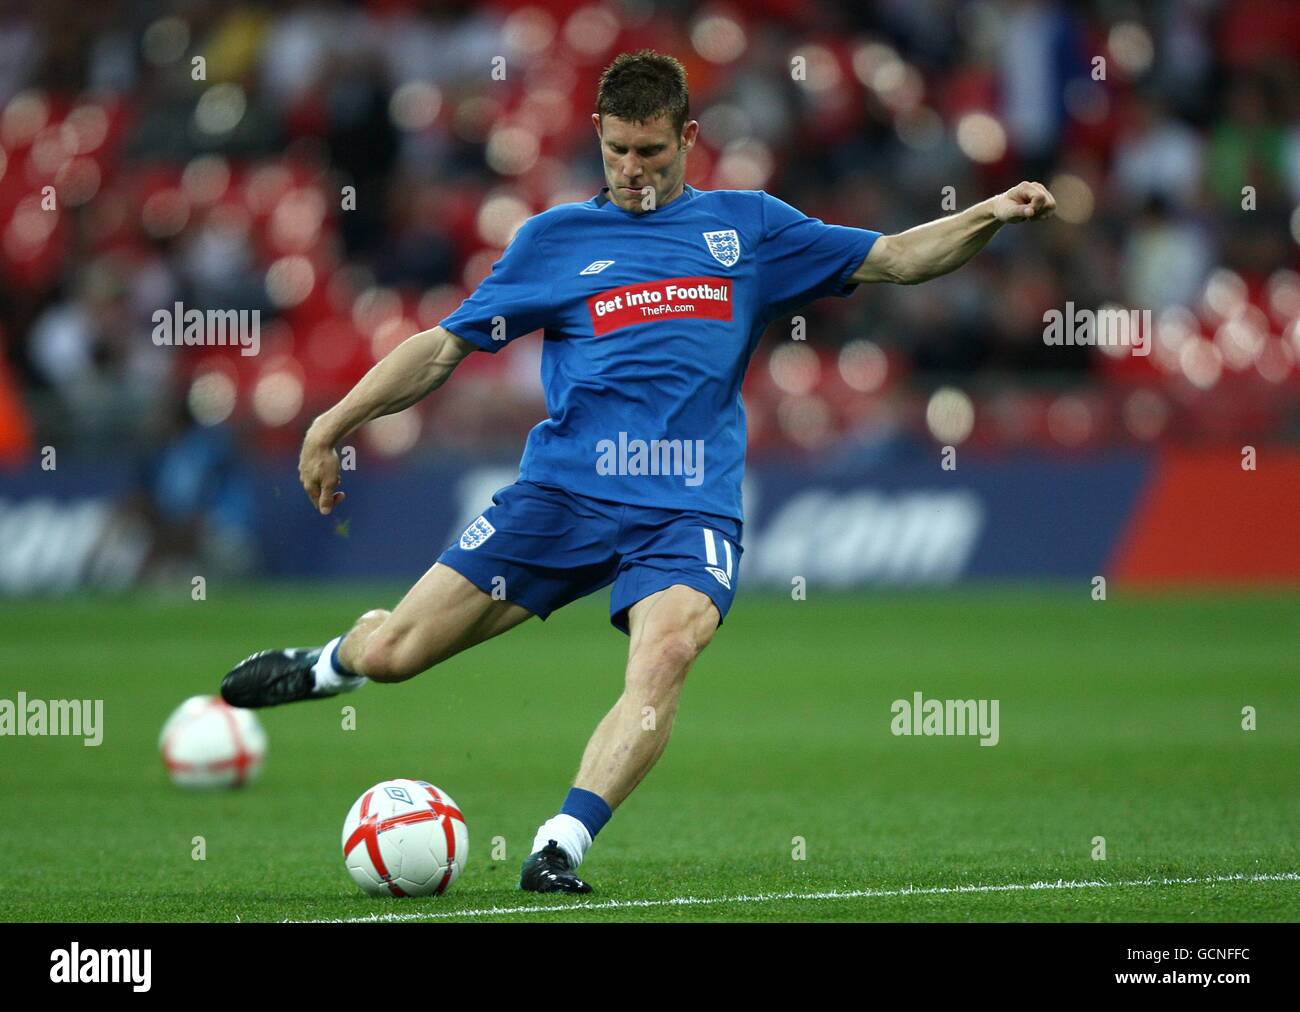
(569, 834)
(330, 679)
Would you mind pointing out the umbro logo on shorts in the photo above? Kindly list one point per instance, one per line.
(476, 533)
(722, 575)
(595, 267)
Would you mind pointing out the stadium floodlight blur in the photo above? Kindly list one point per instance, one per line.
(349, 173)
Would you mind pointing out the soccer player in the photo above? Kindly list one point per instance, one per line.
(652, 297)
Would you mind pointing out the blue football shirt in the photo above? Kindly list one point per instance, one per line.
(649, 322)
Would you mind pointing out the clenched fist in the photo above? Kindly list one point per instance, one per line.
(1024, 202)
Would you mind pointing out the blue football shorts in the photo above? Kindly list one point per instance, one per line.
(542, 547)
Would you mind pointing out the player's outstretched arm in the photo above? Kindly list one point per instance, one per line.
(943, 245)
(412, 370)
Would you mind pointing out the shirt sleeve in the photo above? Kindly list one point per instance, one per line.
(802, 259)
(514, 300)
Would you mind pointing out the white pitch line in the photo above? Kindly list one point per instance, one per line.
(834, 894)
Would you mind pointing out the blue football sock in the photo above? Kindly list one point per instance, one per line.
(588, 808)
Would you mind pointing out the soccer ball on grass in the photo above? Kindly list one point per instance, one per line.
(405, 838)
(208, 743)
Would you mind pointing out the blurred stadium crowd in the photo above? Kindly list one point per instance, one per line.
(353, 169)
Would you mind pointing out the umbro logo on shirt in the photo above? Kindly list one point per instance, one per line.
(595, 267)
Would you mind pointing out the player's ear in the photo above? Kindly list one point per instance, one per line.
(595, 121)
(689, 133)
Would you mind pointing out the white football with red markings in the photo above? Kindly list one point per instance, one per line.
(405, 838)
(208, 743)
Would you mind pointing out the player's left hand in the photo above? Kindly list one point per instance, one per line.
(1024, 202)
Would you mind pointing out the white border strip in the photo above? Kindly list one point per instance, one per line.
(579, 906)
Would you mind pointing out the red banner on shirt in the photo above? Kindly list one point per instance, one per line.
(651, 301)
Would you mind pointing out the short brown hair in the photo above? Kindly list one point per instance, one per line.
(638, 87)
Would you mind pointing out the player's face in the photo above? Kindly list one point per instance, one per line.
(641, 155)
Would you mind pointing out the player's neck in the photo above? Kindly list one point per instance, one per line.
(681, 189)
(659, 206)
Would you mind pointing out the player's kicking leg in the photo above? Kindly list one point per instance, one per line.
(668, 630)
(440, 616)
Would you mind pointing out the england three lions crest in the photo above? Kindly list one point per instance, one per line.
(724, 245)
(476, 533)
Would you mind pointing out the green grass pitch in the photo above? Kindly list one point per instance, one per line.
(1118, 719)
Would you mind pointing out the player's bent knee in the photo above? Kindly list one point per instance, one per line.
(677, 652)
(660, 667)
